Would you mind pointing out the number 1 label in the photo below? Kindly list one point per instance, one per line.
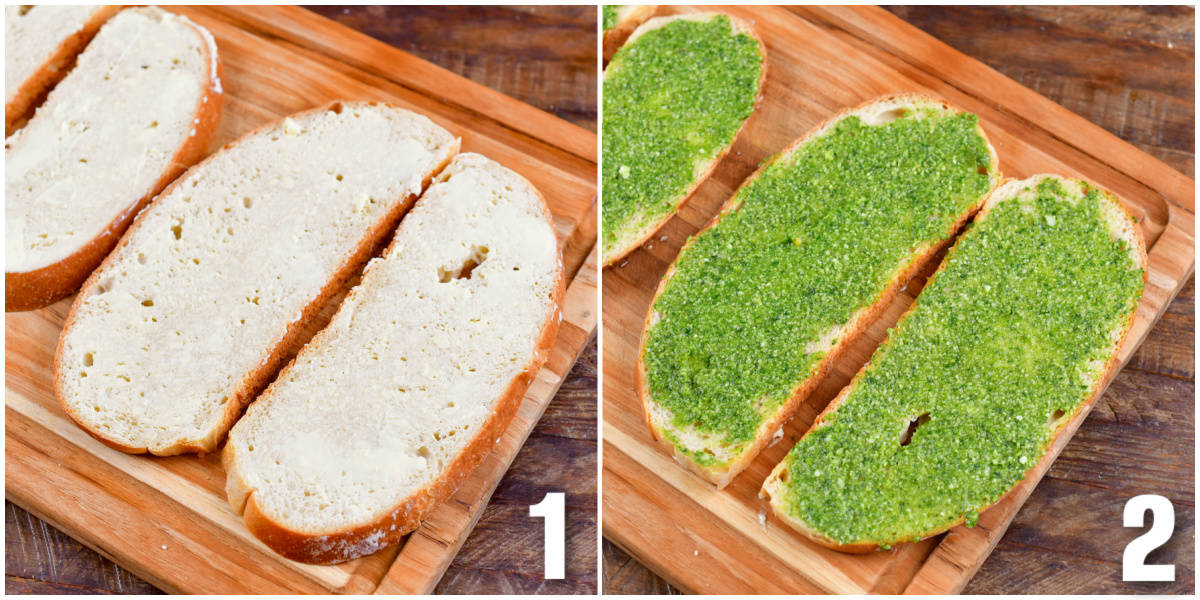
(551, 509)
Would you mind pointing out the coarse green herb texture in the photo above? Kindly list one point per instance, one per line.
(819, 235)
(1004, 343)
(609, 16)
(674, 97)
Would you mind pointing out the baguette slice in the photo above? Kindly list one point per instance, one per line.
(703, 447)
(40, 42)
(923, 436)
(626, 19)
(190, 316)
(624, 230)
(388, 409)
(139, 107)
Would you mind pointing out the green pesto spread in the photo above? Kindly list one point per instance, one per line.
(609, 16)
(818, 236)
(995, 354)
(675, 96)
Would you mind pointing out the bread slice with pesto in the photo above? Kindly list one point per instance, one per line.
(1012, 338)
(676, 95)
(619, 21)
(805, 254)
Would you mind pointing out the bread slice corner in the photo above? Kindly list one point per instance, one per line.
(703, 169)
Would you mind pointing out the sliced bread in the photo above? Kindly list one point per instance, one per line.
(40, 42)
(803, 256)
(675, 97)
(389, 408)
(189, 316)
(619, 21)
(1012, 338)
(139, 107)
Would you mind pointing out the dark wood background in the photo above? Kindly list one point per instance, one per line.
(545, 56)
(1131, 71)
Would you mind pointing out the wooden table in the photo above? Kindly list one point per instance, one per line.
(1130, 70)
(544, 56)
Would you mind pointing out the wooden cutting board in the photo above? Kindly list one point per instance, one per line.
(821, 60)
(166, 519)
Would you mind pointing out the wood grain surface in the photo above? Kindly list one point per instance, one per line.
(1140, 436)
(544, 56)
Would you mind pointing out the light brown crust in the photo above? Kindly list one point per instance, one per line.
(30, 290)
(722, 475)
(389, 528)
(1109, 371)
(613, 38)
(739, 26)
(255, 381)
(53, 70)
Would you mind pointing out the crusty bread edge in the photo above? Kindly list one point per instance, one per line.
(738, 26)
(390, 527)
(613, 38)
(30, 290)
(1127, 231)
(721, 475)
(249, 387)
(54, 69)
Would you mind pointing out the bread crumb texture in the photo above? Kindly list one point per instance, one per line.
(1005, 345)
(382, 401)
(105, 134)
(32, 35)
(211, 275)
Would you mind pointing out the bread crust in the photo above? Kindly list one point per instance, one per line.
(30, 290)
(613, 38)
(1130, 234)
(249, 387)
(739, 26)
(388, 528)
(721, 476)
(56, 67)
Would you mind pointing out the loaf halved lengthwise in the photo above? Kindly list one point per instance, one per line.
(676, 96)
(620, 21)
(389, 408)
(801, 259)
(139, 107)
(1012, 338)
(40, 43)
(190, 315)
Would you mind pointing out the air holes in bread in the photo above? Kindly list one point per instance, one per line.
(336, 107)
(1057, 416)
(246, 202)
(913, 425)
(147, 302)
(88, 359)
(463, 270)
(177, 230)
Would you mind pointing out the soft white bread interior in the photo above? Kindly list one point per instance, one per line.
(40, 42)
(391, 406)
(138, 108)
(188, 318)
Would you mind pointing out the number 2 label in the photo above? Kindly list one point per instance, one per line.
(551, 509)
(1133, 565)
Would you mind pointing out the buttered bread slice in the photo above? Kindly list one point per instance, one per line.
(801, 259)
(1010, 340)
(389, 408)
(188, 318)
(139, 107)
(39, 44)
